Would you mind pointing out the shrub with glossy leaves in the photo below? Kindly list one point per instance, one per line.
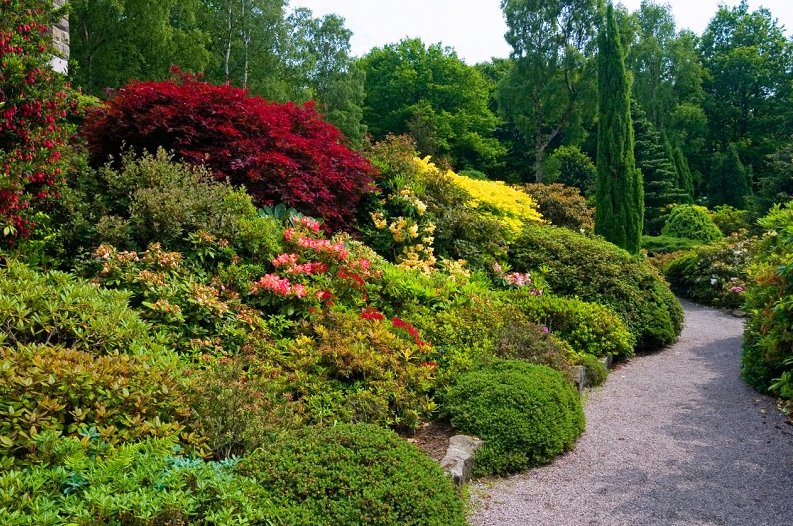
(526, 414)
(355, 474)
(588, 327)
(33, 107)
(691, 222)
(731, 220)
(570, 166)
(282, 153)
(598, 272)
(122, 398)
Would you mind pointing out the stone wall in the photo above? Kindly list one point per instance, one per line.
(60, 37)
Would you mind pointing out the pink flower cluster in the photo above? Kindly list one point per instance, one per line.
(401, 324)
(738, 290)
(279, 286)
(517, 279)
(291, 266)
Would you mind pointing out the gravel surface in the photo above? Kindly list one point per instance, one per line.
(672, 438)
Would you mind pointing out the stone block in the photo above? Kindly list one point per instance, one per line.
(459, 459)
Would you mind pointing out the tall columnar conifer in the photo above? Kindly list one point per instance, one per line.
(619, 193)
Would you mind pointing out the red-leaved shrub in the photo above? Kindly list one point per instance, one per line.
(281, 152)
(33, 104)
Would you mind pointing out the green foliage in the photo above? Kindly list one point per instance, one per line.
(595, 372)
(543, 91)
(767, 363)
(197, 309)
(487, 328)
(360, 368)
(143, 484)
(655, 245)
(239, 403)
(659, 173)
(154, 199)
(121, 398)
(562, 206)
(589, 328)
(691, 222)
(714, 274)
(570, 166)
(597, 272)
(355, 474)
(526, 414)
(730, 220)
(619, 191)
(730, 182)
(55, 308)
(429, 93)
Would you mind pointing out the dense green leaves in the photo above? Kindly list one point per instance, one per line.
(619, 192)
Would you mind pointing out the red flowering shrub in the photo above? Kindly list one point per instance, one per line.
(280, 152)
(33, 104)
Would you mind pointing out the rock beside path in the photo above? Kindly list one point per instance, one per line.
(674, 438)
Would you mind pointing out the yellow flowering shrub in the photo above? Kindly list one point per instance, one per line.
(505, 204)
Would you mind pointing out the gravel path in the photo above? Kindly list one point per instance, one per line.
(672, 438)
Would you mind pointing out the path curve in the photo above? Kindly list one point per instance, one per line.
(674, 438)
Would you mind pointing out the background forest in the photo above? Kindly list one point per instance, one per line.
(712, 112)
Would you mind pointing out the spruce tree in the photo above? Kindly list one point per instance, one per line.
(685, 179)
(658, 172)
(730, 182)
(619, 192)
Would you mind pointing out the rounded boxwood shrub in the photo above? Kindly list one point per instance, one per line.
(596, 271)
(588, 327)
(691, 222)
(527, 414)
(355, 474)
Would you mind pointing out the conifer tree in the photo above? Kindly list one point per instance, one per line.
(658, 172)
(685, 179)
(619, 192)
(730, 182)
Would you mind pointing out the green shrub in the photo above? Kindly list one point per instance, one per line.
(154, 199)
(570, 166)
(239, 403)
(122, 398)
(588, 327)
(598, 272)
(731, 220)
(562, 206)
(355, 475)
(594, 370)
(691, 222)
(142, 484)
(655, 245)
(56, 308)
(361, 368)
(768, 341)
(715, 274)
(526, 414)
(196, 309)
(478, 332)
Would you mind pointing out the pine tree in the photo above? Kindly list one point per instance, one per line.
(619, 193)
(730, 182)
(658, 172)
(685, 179)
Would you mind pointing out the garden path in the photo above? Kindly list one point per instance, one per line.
(673, 438)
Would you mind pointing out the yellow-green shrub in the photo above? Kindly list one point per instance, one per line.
(507, 205)
(121, 398)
